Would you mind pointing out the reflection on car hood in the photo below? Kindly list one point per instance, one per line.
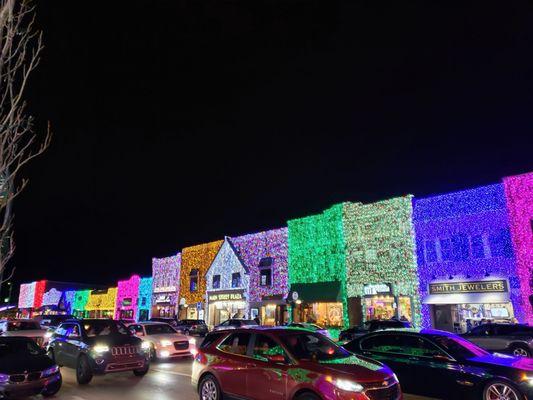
(27, 333)
(114, 340)
(173, 337)
(364, 370)
(19, 364)
(523, 363)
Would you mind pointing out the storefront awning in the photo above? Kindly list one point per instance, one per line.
(317, 292)
(466, 298)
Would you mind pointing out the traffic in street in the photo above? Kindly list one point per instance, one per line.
(164, 381)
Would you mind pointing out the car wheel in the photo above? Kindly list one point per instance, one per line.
(500, 390)
(307, 396)
(519, 350)
(84, 374)
(52, 389)
(210, 389)
(143, 371)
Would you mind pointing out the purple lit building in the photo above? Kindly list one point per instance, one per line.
(466, 264)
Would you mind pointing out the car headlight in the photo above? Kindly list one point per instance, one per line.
(48, 335)
(528, 379)
(50, 371)
(100, 348)
(348, 386)
(165, 343)
(4, 378)
(145, 345)
(192, 340)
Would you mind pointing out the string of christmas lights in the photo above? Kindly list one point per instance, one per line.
(127, 296)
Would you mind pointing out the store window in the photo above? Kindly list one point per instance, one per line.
(236, 279)
(235, 344)
(143, 301)
(323, 314)
(193, 279)
(216, 281)
(266, 277)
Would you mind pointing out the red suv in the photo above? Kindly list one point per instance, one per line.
(284, 364)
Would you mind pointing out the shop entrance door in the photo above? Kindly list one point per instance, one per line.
(442, 317)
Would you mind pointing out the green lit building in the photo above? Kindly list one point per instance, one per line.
(381, 267)
(317, 269)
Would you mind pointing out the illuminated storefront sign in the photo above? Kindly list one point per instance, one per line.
(499, 285)
(375, 289)
(225, 296)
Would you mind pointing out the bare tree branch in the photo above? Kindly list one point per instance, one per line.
(20, 48)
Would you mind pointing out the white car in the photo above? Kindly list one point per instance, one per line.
(24, 327)
(165, 341)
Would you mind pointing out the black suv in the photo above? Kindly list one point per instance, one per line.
(372, 326)
(25, 369)
(98, 346)
(192, 327)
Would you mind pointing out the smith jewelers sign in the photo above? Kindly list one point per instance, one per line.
(499, 286)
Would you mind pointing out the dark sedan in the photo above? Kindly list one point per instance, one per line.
(371, 326)
(516, 339)
(26, 370)
(192, 327)
(443, 365)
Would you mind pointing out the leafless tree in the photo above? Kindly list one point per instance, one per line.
(20, 48)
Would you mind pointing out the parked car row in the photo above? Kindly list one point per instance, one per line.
(295, 363)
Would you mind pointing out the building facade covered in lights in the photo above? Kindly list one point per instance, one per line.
(227, 283)
(101, 303)
(467, 267)
(317, 269)
(144, 306)
(381, 269)
(127, 299)
(196, 261)
(265, 255)
(165, 285)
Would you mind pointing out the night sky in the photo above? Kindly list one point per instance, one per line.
(178, 122)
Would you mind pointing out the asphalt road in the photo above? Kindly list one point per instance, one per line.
(165, 381)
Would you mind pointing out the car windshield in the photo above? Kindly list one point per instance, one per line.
(306, 346)
(19, 347)
(248, 322)
(459, 348)
(23, 325)
(104, 328)
(157, 329)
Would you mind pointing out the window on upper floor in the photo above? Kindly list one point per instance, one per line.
(460, 247)
(193, 280)
(478, 248)
(216, 281)
(431, 252)
(236, 279)
(265, 277)
(500, 244)
(446, 249)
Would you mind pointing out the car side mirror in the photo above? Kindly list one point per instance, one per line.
(276, 358)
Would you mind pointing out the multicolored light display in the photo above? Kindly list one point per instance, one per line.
(225, 264)
(317, 251)
(127, 296)
(80, 300)
(519, 196)
(252, 249)
(145, 296)
(380, 248)
(165, 273)
(464, 235)
(40, 287)
(198, 257)
(102, 300)
(27, 295)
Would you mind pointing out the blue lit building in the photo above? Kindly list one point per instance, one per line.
(466, 264)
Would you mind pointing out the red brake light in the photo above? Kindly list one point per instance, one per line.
(200, 358)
